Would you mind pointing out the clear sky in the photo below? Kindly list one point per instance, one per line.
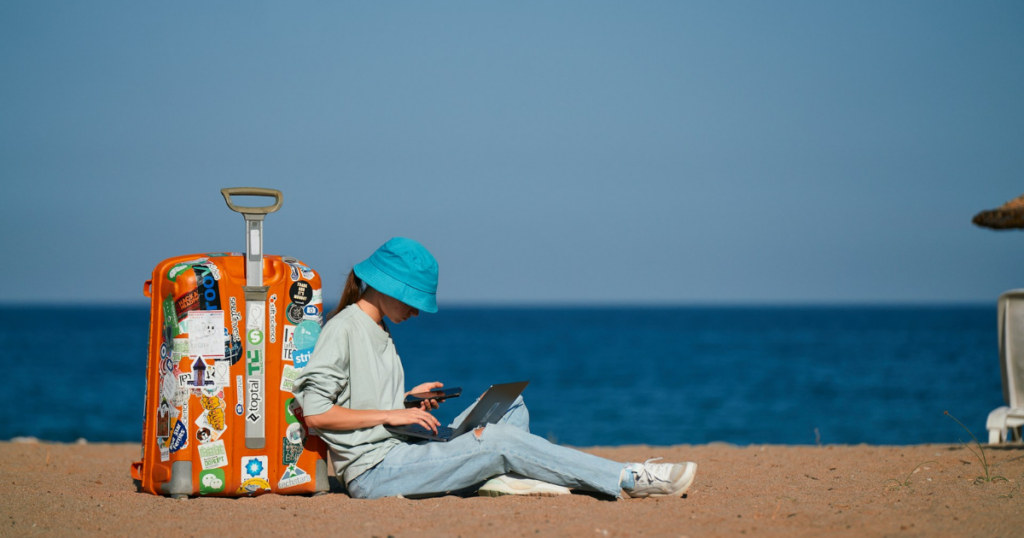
(546, 152)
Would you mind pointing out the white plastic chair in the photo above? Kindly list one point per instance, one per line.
(1005, 422)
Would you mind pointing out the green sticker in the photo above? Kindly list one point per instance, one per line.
(176, 270)
(289, 417)
(171, 315)
(255, 337)
(211, 481)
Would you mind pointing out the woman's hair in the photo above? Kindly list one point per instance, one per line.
(354, 289)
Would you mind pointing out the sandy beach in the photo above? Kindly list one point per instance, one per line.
(761, 490)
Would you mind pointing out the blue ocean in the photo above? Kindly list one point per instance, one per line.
(598, 376)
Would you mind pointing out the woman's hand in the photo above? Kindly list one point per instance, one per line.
(426, 405)
(414, 415)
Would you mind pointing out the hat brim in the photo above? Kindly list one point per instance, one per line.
(392, 287)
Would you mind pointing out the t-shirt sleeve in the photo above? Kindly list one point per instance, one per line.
(325, 376)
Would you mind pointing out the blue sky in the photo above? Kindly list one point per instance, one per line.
(546, 152)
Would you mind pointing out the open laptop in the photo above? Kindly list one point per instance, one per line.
(488, 410)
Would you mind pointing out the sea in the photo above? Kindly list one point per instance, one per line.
(598, 376)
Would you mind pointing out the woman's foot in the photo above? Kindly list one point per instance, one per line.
(660, 479)
(514, 484)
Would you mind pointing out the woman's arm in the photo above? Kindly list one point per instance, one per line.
(345, 419)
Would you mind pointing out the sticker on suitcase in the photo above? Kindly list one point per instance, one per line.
(206, 332)
(212, 455)
(211, 481)
(288, 376)
(273, 318)
(179, 437)
(254, 474)
(293, 476)
(212, 423)
(208, 374)
(290, 451)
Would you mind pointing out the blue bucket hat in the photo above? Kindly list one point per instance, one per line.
(403, 269)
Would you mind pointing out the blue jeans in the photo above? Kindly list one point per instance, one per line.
(426, 467)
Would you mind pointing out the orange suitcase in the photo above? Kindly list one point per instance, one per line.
(229, 333)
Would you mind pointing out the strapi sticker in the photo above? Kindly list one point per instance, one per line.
(213, 455)
(211, 481)
(301, 357)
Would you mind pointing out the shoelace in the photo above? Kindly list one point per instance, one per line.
(647, 475)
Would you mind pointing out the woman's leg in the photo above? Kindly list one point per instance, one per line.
(433, 467)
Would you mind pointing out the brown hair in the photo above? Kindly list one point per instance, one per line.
(352, 292)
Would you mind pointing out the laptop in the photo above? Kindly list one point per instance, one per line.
(489, 409)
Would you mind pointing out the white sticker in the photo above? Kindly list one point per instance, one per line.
(318, 297)
(206, 336)
(288, 376)
(287, 344)
(254, 242)
(273, 318)
(165, 450)
(221, 373)
(254, 317)
(180, 346)
(293, 476)
(253, 408)
(213, 455)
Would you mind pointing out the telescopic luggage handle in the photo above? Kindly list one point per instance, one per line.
(253, 191)
(255, 308)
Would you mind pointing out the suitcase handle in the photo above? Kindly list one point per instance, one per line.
(147, 288)
(137, 470)
(253, 191)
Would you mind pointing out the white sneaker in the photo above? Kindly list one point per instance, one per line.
(660, 479)
(514, 484)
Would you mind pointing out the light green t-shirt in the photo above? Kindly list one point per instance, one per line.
(354, 365)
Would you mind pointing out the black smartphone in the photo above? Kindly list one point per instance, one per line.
(413, 400)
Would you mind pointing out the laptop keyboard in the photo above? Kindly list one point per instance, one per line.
(442, 431)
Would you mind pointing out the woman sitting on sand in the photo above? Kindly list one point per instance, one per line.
(354, 385)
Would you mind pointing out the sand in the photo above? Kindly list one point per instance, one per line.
(85, 490)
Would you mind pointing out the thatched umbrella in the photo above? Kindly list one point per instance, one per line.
(1005, 217)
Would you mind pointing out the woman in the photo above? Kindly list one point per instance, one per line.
(354, 385)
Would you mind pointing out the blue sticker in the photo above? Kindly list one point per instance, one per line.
(239, 409)
(306, 334)
(179, 438)
(301, 357)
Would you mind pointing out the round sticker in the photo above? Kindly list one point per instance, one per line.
(306, 334)
(255, 337)
(295, 433)
(294, 314)
(301, 293)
